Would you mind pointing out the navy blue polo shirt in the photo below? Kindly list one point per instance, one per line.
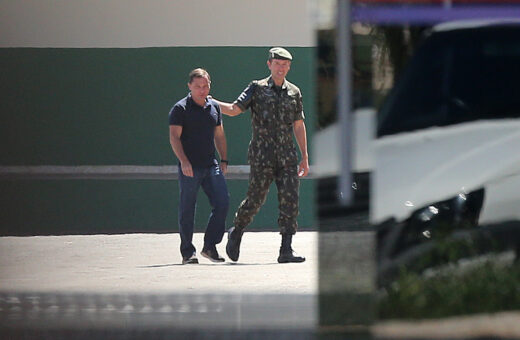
(198, 129)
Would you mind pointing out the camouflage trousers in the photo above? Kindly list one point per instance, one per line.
(287, 183)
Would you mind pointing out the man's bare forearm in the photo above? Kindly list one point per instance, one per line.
(301, 138)
(229, 109)
(221, 143)
(178, 150)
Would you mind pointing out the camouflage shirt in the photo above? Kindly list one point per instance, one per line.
(273, 112)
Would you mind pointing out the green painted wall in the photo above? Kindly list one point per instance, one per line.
(110, 107)
(53, 207)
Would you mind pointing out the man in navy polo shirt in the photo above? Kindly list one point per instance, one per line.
(195, 130)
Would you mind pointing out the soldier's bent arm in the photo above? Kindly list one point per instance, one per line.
(229, 109)
(242, 103)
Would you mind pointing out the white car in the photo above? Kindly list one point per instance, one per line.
(443, 153)
(447, 151)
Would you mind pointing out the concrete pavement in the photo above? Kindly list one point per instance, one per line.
(135, 283)
(151, 263)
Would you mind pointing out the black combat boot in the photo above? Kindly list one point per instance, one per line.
(286, 252)
(233, 244)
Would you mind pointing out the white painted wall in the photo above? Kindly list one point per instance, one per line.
(155, 23)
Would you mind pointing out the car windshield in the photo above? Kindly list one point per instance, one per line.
(456, 76)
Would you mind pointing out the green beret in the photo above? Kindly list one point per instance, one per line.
(279, 53)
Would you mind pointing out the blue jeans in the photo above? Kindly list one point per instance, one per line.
(214, 185)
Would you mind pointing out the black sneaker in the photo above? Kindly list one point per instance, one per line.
(190, 259)
(212, 255)
(233, 244)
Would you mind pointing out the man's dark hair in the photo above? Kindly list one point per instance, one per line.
(199, 73)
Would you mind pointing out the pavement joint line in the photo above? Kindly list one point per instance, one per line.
(158, 172)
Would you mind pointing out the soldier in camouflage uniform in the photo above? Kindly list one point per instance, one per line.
(276, 113)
